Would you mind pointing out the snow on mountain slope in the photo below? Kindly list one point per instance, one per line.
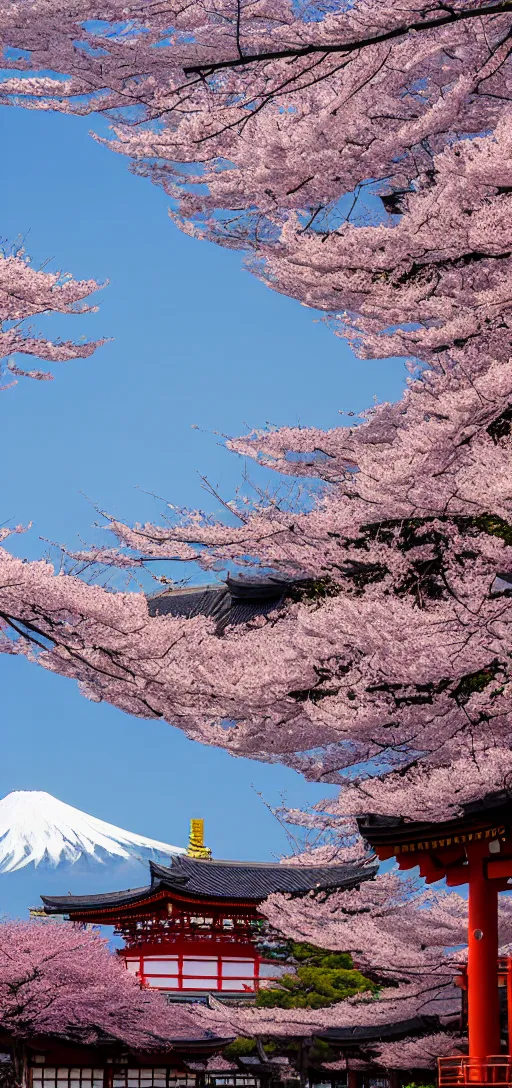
(36, 827)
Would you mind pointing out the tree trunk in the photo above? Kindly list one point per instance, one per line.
(20, 1063)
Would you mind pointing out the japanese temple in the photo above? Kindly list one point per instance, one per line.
(196, 929)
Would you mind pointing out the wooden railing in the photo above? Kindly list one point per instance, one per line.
(461, 1070)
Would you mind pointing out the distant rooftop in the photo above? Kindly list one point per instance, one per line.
(378, 1032)
(238, 600)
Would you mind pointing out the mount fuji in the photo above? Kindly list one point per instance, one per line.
(35, 828)
(49, 847)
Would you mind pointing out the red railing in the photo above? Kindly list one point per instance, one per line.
(461, 1070)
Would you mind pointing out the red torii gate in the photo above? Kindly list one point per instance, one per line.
(474, 849)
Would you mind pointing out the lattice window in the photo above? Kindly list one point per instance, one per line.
(173, 920)
(238, 974)
(232, 1080)
(153, 1078)
(201, 921)
(48, 1076)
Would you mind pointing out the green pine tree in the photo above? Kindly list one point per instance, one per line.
(319, 979)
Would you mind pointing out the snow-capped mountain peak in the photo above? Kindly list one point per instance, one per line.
(36, 827)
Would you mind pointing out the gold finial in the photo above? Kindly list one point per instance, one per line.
(196, 847)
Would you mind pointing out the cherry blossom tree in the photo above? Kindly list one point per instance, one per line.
(280, 130)
(62, 980)
(421, 1052)
(391, 665)
(26, 293)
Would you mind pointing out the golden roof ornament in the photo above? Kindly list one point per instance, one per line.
(196, 847)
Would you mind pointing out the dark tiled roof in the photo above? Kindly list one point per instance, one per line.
(106, 899)
(375, 1033)
(255, 1065)
(61, 904)
(254, 879)
(238, 600)
(185, 1037)
(242, 880)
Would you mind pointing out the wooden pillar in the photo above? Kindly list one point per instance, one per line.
(509, 1004)
(351, 1078)
(483, 993)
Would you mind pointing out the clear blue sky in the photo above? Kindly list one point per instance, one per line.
(196, 341)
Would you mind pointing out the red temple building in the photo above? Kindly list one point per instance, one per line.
(474, 849)
(196, 928)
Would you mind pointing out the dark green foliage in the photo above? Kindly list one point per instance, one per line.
(320, 1052)
(308, 953)
(493, 526)
(413, 1084)
(477, 681)
(320, 979)
(314, 590)
(239, 1048)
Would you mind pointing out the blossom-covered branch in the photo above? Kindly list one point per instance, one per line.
(26, 293)
(290, 160)
(394, 659)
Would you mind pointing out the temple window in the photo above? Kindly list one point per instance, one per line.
(234, 1081)
(44, 1076)
(153, 1078)
(198, 973)
(272, 970)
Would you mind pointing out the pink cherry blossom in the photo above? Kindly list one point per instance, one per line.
(25, 293)
(419, 1053)
(63, 980)
(361, 159)
(398, 660)
(268, 128)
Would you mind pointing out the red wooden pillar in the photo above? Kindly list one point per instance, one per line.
(351, 1078)
(509, 1004)
(483, 993)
